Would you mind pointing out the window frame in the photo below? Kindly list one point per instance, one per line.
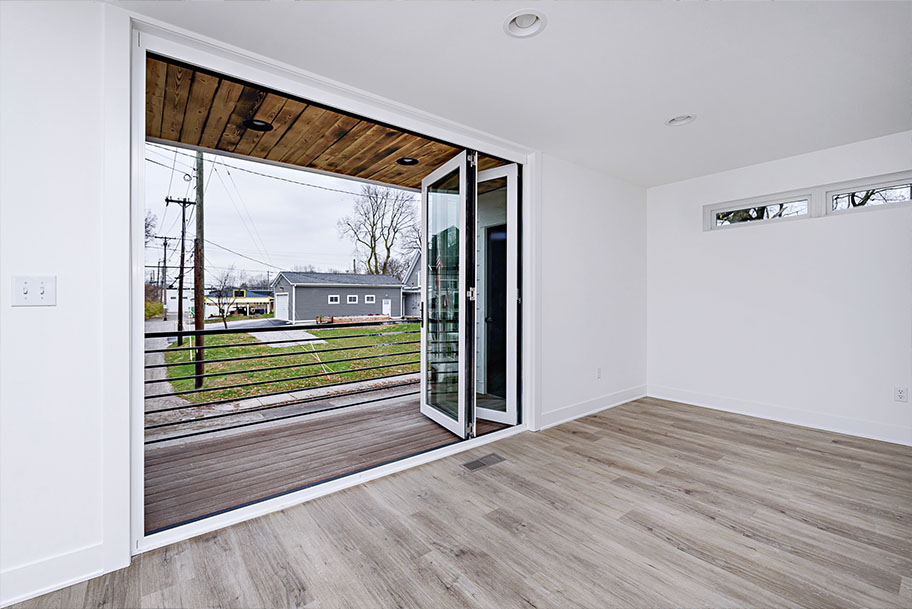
(884, 181)
(329, 299)
(348, 299)
(372, 297)
(710, 211)
(820, 200)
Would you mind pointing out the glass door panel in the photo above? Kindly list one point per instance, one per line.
(496, 302)
(444, 349)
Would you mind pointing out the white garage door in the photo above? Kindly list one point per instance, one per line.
(281, 306)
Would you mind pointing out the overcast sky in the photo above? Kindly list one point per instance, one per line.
(272, 222)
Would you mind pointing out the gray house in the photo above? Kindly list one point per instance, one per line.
(306, 296)
(411, 289)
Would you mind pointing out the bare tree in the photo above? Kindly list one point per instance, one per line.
(304, 268)
(255, 282)
(412, 241)
(380, 226)
(875, 196)
(151, 221)
(399, 266)
(224, 294)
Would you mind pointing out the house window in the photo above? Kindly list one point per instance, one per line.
(333, 299)
(239, 293)
(870, 196)
(352, 299)
(760, 212)
(369, 299)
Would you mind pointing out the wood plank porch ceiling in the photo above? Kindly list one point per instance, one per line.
(196, 107)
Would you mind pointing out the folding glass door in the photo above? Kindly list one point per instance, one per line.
(469, 295)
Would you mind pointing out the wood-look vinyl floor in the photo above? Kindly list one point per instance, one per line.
(205, 476)
(649, 504)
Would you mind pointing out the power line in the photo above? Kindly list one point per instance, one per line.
(242, 255)
(209, 266)
(153, 161)
(184, 166)
(171, 179)
(266, 175)
(237, 209)
(249, 217)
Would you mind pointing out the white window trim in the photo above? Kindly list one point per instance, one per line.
(820, 201)
(333, 299)
(349, 297)
(370, 299)
(891, 179)
(710, 211)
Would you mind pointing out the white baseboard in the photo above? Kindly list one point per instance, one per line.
(48, 574)
(897, 434)
(581, 409)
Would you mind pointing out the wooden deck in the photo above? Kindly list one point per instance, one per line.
(206, 476)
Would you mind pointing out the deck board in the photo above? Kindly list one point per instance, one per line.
(189, 480)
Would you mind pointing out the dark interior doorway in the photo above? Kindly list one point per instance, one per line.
(496, 310)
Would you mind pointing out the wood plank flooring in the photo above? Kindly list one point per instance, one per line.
(649, 504)
(193, 479)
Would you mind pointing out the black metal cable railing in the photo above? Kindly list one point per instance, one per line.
(240, 378)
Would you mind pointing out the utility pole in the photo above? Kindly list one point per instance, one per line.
(184, 203)
(164, 277)
(199, 301)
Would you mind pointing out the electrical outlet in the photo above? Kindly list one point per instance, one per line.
(901, 394)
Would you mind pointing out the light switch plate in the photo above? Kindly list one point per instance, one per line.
(35, 291)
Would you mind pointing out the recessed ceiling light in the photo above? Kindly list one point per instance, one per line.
(680, 120)
(407, 160)
(255, 124)
(525, 23)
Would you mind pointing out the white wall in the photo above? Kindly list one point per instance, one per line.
(63, 500)
(806, 321)
(593, 291)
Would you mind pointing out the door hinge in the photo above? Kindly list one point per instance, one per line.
(472, 158)
(470, 294)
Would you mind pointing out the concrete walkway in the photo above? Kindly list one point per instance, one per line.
(294, 336)
(150, 374)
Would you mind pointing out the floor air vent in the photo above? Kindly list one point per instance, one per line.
(483, 462)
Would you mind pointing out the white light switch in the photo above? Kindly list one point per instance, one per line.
(35, 291)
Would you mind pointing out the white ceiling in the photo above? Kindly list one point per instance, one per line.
(766, 80)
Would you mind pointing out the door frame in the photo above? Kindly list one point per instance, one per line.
(151, 35)
(511, 415)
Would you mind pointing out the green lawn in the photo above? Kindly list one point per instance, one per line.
(309, 356)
